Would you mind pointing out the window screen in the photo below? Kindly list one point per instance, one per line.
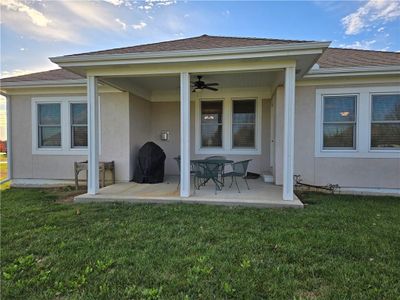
(49, 125)
(243, 123)
(211, 123)
(339, 122)
(385, 121)
(78, 125)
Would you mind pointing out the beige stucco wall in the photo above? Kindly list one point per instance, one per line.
(128, 121)
(139, 127)
(347, 172)
(114, 110)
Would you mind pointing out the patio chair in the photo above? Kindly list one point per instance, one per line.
(239, 169)
(192, 172)
(205, 171)
(218, 157)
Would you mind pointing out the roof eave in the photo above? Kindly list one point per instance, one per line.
(353, 71)
(153, 56)
(45, 83)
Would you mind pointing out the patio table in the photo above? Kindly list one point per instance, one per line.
(211, 169)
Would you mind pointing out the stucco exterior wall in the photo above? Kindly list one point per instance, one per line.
(347, 172)
(114, 111)
(128, 121)
(139, 127)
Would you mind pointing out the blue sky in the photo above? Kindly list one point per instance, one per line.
(33, 30)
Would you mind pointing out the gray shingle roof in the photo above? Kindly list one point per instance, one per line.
(195, 43)
(57, 74)
(331, 58)
(343, 58)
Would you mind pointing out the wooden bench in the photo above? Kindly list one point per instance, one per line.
(103, 167)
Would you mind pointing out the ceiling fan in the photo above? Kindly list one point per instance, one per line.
(200, 85)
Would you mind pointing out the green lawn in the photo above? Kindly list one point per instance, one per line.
(339, 247)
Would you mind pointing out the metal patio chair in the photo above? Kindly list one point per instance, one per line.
(205, 171)
(216, 157)
(239, 169)
(219, 157)
(192, 172)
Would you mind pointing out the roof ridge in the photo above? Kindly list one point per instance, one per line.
(364, 50)
(189, 38)
(253, 38)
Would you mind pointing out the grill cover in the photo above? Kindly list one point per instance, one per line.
(149, 166)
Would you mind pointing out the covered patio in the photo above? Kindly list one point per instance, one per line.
(265, 75)
(260, 194)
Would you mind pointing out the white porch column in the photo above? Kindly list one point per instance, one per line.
(93, 136)
(288, 134)
(185, 135)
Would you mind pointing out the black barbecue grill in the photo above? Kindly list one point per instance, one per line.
(149, 166)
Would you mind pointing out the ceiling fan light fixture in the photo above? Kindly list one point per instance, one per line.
(200, 85)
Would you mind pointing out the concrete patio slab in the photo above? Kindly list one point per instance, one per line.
(260, 194)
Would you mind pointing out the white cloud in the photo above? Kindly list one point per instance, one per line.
(150, 4)
(139, 26)
(21, 49)
(36, 16)
(380, 29)
(123, 25)
(380, 11)
(16, 72)
(363, 45)
(90, 14)
(115, 2)
(36, 24)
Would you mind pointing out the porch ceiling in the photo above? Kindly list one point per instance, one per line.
(146, 85)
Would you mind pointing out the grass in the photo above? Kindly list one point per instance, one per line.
(338, 247)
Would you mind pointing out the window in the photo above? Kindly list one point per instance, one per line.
(49, 125)
(359, 122)
(243, 123)
(78, 125)
(211, 123)
(60, 125)
(339, 122)
(385, 121)
(228, 126)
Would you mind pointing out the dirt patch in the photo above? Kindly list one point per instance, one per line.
(66, 194)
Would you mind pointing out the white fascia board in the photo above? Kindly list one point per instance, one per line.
(353, 71)
(192, 55)
(45, 83)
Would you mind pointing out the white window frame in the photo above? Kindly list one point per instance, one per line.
(70, 124)
(212, 149)
(36, 125)
(363, 118)
(227, 147)
(380, 150)
(66, 142)
(356, 132)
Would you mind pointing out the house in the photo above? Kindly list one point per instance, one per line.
(330, 115)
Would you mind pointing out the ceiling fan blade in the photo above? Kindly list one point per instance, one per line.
(210, 88)
(212, 84)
